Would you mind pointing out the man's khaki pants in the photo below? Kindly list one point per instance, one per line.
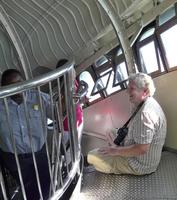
(109, 164)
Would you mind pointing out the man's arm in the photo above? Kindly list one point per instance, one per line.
(125, 151)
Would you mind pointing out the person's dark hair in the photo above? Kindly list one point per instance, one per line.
(61, 62)
(7, 74)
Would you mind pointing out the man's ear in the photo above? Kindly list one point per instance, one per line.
(146, 92)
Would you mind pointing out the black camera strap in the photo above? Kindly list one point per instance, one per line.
(122, 132)
(137, 109)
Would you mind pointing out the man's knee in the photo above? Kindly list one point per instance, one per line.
(92, 156)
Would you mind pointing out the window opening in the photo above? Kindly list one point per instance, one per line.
(148, 59)
(119, 52)
(86, 76)
(147, 34)
(101, 83)
(169, 40)
(110, 89)
(136, 68)
(121, 73)
(162, 69)
(167, 15)
(99, 62)
(104, 72)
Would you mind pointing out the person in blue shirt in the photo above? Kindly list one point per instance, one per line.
(21, 133)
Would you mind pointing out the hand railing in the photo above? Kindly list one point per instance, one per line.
(57, 155)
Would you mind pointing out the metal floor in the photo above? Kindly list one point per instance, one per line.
(160, 185)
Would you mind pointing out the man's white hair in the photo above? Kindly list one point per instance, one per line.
(143, 81)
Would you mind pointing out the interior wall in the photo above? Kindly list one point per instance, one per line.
(109, 113)
(166, 94)
(115, 110)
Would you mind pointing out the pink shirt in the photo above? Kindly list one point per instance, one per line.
(79, 114)
(79, 118)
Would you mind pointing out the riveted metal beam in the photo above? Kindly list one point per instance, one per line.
(120, 32)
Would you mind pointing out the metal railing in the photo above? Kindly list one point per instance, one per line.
(58, 156)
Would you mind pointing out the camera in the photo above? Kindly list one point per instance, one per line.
(121, 133)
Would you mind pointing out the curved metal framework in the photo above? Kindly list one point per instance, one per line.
(58, 183)
(5, 20)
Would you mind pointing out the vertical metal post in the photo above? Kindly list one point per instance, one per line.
(31, 144)
(14, 147)
(71, 113)
(3, 188)
(44, 135)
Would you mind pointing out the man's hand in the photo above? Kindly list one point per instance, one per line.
(126, 151)
(109, 151)
(110, 136)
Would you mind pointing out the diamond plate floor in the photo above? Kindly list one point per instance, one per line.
(160, 185)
